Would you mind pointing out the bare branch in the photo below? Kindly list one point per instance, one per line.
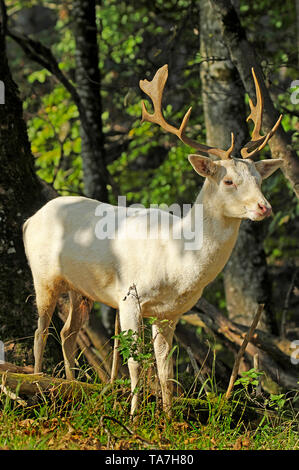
(42, 55)
(241, 351)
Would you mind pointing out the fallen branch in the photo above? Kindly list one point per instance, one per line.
(9, 393)
(34, 384)
(274, 353)
(9, 367)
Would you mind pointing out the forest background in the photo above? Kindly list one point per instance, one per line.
(71, 125)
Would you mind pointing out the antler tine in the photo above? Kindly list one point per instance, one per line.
(154, 89)
(257, 142)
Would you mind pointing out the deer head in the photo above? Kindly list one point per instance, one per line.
(234, 182)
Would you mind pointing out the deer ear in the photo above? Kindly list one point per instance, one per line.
(204, 166)
(267, 167)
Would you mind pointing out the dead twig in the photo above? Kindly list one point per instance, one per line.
(116, 354)
(198, 373)
(128, 430)
(241, 351)
(286, 306)
(256, 365)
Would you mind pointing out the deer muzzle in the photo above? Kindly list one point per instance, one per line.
(264, 210)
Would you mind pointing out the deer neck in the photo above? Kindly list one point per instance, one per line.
(215, 224)
(219, 233)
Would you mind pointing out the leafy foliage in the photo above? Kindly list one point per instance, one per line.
(145, 164)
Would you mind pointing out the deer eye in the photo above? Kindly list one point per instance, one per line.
(228, 182)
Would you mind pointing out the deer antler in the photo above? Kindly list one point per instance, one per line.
(154, 89)
(257, 141)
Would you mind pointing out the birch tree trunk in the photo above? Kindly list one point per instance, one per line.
(244, 58)
(246, 279)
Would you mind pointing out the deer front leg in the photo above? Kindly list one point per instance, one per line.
(129, 317)
(162, 338)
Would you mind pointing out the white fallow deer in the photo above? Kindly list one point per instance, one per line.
(66, 255)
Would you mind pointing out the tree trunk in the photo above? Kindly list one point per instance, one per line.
(245, 277)
(21, 193)
(88, 82)
(243, 56)
(87, 97)
(222, 90)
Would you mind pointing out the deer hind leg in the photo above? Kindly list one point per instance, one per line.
(162, 338)
(46, 300)
(129, 317)
(78, 314)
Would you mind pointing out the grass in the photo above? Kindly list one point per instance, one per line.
(202, 419)
(101, 421)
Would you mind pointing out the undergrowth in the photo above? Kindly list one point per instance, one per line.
(202, 418)
(101, 421)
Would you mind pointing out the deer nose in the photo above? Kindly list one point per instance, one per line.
(265, 210)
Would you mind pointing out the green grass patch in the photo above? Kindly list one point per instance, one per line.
(101, 421)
